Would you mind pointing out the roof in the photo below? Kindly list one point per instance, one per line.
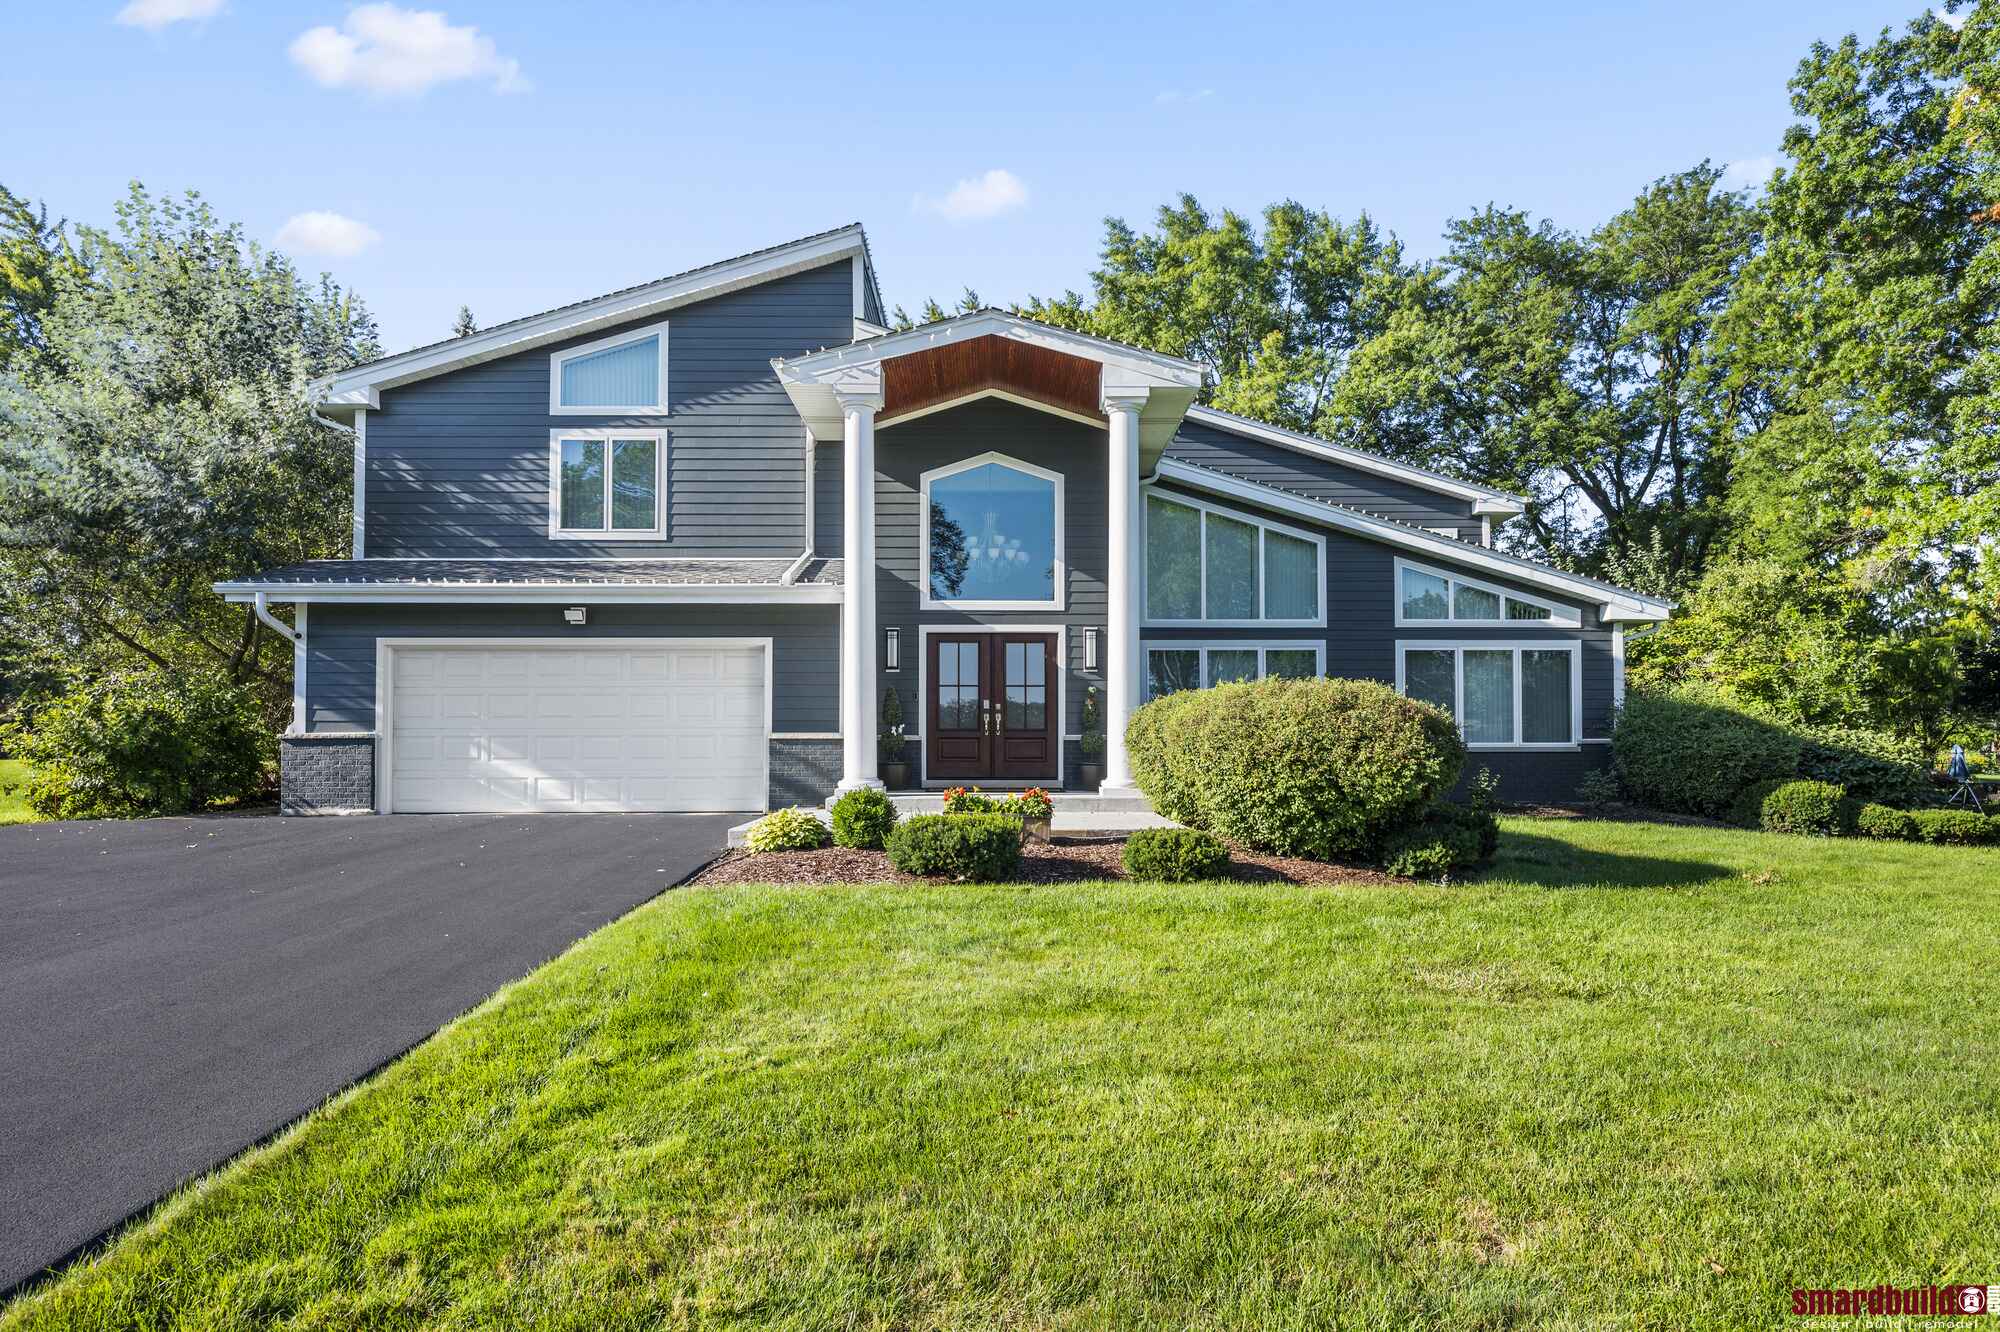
(357, 386)
(1614, 602)
(544, 579)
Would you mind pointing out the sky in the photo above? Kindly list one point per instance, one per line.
(514, 156)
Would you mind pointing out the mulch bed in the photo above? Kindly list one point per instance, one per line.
(1616, 811)
(1065, 859)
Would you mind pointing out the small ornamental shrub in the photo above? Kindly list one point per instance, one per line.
(1954, 827)
(1885, 823)
(143, 743)
(1692, 751)
(1597, 788)
(786, 830)
(957, 846)
(862, 819)
(1317, 768)
(1481, 823)
(1810, 808)
(968, 800)
(1484, 792)
(1439, 847)
(1175, 855)
(1748, 811)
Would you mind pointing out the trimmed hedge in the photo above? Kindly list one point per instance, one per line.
(1880, 821)
(863, 818)
(1884, 769)
(1440, 846)
(1318, 768)
(956, 846)
(1691, 751)
(1748, 811)
(786, 830)
(1810, 808)
(1175, 855)
(1956, 827)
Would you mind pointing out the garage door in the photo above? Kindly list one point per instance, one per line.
(571, 729)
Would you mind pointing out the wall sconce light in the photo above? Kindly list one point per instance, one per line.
(575, 615)
(1090, 649)
(892, 649)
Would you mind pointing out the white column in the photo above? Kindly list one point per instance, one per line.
(857, 615)
(1121, 655)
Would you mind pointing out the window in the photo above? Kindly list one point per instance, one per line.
(1511, 695)
(992, 535)
(622, 374)
(606, 484)
(1207, 565)
(1431, 596)
(1171, 667)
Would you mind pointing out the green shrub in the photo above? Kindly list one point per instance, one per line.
(787, 830)
(1436, 848)
(1748, 811)
(1806, 807)
(143, 743)
(1885, 823)
(1598, 787)
(1955, 827)
(1872, 765)
(862, 819)
(1175, 855)
(957, 846)
(1481, 823)
(1691, 751)
(1318, 768)
(968, 800)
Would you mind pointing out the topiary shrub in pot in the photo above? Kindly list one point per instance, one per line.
(1885, 823)
(956, 846)
(1318, 768)
(786, 830)
(862, 819)
(1811, 808)
(1175, 855)
(1693, 751)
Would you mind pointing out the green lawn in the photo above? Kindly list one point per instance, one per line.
(1642, 1076)
(14, 809)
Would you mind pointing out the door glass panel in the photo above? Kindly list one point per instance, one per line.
(1291, 663)
(1227, 664)
(1232, 569)
(1169, 670)
(958, 686)
(1027, 688)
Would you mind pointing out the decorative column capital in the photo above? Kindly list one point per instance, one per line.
(858, 400)
(857, 388)
(1123, 400)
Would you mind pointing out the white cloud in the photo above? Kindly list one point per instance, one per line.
(327, 234)
(1749, 172)
(977, 198)
(156, 14)
(396, 52)
(1172, 95)
(1952, 21)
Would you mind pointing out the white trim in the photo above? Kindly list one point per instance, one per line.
(1460, 646)
(359, 542)
(1170, 370)
(805, 735)
(1003, 395)
(1560, 616)
(812, 594)
(1617, 666)
(1495, 501)
(386, 645)
(361, 386)
(860, 308)
(616, 340)
(609, 434)
(1614, 603)
(924, 634)
(1061, 583)
(1203, 646)
(299, 669)
(1149, 621)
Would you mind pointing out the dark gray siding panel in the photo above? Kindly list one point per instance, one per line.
(458, 464)
(828, 497)
(1271, 464)
(805, 648)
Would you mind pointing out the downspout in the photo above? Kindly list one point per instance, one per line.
(297, 638)
(791, 575)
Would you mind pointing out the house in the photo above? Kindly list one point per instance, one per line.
(666, 549)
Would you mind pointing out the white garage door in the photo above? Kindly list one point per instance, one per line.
(583, 729)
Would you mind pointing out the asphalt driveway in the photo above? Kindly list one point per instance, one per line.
(172, 990)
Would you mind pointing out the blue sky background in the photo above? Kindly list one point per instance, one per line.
(565, 150)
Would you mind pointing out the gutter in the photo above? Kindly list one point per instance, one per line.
(263, 610)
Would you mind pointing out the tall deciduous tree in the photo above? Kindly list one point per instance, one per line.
(32, 252)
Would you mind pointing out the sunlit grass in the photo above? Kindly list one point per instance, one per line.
(13, 806)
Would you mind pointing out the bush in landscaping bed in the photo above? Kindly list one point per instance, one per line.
(1317, 768)
(1175, 855)
(1955, 827)
(1811, 808)
(787, 830)
(862, 819)
(1692, 751)
(1441, 845)
(1748, 811)
(1885, 823)
(1872, 765)
(143, 743)
(968, 800)
(956, 846)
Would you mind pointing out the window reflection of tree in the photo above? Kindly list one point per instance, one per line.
(950, 557)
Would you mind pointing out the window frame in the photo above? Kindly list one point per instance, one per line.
(1263, 525)
(616, 340)
(657, 532)
(1560, 616)
(1458, 647)
(1203, 646)
(1060, 570)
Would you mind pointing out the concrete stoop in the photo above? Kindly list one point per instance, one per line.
(1075, 812)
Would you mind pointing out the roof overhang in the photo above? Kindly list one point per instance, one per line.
(1614, 604)
(991, 352)
(361, 387)
(795, 594)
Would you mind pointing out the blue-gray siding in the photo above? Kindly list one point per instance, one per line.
(458, 465)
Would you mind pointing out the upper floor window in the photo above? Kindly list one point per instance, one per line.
(1435, 596)
(1210, 565)
(993, 530)
(622, 374)
(607, 485)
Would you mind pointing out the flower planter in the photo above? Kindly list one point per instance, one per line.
(1034, 830)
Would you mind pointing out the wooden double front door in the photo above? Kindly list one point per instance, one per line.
(991, 711)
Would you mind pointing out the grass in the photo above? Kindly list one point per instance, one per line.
(1640, 1076)
(13, 808)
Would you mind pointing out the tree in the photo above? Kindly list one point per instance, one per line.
(163, 441)
(932, 312)
(465, 325)
(32, 253)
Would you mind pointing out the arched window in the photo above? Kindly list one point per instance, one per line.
(993, 535)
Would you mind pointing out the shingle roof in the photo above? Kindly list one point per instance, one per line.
(609, 572)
